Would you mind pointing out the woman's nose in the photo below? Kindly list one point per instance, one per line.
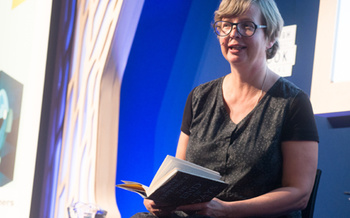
(234, 32)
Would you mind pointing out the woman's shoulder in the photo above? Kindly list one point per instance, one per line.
(286, 89)
(208, 87)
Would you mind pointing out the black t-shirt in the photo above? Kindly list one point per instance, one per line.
(301, 120)
(247, 154)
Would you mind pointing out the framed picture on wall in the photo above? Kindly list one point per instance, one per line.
(330, 89)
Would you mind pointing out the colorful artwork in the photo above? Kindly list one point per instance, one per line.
(10, 107)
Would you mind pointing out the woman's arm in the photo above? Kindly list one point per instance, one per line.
(182, 146)
(299, 170)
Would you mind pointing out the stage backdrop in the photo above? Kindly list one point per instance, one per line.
(175, 50)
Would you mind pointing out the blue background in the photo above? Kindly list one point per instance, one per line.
(174, 50)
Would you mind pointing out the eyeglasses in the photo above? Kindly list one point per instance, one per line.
(245, 28)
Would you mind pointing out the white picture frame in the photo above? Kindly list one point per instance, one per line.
(328, 98)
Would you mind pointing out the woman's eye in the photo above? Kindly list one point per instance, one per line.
(225, 25)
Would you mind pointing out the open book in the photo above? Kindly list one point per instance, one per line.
(179, 182)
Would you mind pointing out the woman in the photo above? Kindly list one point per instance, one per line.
(252, 126)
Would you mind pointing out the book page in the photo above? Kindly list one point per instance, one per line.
(171, 163)
(134, 187)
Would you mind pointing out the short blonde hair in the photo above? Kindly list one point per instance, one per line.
(270, 15)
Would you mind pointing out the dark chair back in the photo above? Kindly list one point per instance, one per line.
(308, 212)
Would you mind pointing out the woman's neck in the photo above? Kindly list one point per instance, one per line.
(242, 81)
(242, 91)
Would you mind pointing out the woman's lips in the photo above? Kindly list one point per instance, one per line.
(236, 48)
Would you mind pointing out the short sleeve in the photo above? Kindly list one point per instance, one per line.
(187, 115)
(300, 124)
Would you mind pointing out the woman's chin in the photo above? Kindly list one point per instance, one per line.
(235, 59)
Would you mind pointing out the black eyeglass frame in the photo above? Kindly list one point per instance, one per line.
(256, 26)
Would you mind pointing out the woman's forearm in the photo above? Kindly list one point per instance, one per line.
(278, 202)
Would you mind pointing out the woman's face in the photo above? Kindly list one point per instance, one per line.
(239, 50)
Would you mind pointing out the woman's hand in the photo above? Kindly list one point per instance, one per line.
(213, 208)
(158, 210)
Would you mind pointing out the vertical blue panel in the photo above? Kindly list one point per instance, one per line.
(187, 65)
(145, 79)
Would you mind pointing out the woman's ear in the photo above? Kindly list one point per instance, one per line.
(270, 44)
